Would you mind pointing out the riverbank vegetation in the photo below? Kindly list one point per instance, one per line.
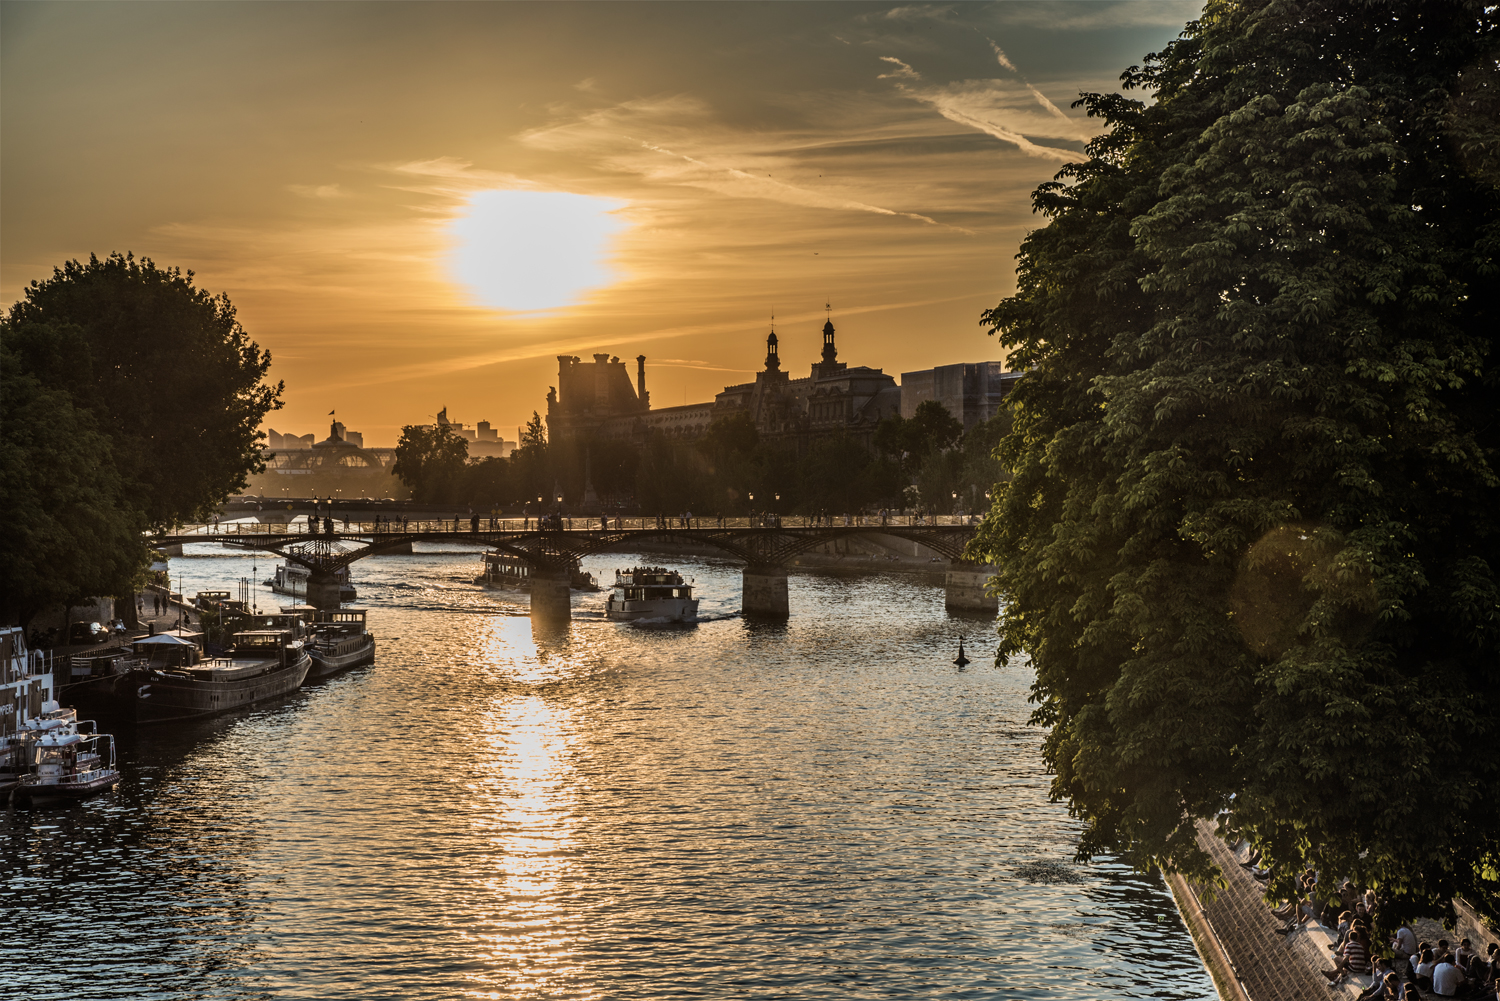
(1250, 544)
(130, 401)
(927, 462)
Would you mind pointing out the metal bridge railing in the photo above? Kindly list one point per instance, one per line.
(460, 524)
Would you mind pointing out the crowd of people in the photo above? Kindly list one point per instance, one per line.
(1401, 970)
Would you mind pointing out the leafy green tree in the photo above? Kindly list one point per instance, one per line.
(71, 530)
(167, 371)
(1250, 544)
(430, 460)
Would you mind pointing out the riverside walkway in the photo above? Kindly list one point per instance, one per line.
(764, 545)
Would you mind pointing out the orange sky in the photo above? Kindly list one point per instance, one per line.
(315, 161)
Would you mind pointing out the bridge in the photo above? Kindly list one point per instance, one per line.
(551, 552)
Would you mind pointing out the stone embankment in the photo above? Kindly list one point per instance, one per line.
(1243, 947)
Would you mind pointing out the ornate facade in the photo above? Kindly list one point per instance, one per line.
(597, 401)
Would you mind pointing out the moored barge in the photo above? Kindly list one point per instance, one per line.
(260, 665)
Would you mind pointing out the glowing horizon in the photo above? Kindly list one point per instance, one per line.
(530, 180)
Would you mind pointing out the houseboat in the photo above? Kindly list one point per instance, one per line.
(260, 664)
(651, 593)
(338, 640)
(503, 569)
(292, 579)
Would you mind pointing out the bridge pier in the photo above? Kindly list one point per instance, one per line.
(964, 588)
(551, 595)
(763, 592)
(323, 590)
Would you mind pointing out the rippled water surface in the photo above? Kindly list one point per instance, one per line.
(825, 808)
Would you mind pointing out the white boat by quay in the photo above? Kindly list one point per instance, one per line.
(651, 593)
(68, 764)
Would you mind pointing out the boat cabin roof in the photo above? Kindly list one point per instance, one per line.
(341, 615)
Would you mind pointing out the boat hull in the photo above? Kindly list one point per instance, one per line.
(325, 664)
(163, 699)
(38, 792)
(663, 609)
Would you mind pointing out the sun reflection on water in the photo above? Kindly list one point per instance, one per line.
(521, 810)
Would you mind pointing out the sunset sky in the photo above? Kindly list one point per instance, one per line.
(421, 205)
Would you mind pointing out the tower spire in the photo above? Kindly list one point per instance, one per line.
(773, 360)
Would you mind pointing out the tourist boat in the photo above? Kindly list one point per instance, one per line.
(292, 579)
(260, 664)
(69, 765)
(338, 640)
(503, 569)
(651, 593)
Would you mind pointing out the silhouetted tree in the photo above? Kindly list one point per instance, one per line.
(167, 371)
(71, 530)
(430, 460)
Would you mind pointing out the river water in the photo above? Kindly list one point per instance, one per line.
(822, 808)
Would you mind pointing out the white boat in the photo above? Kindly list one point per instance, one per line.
(292, 579)
(651, 593)
(338, 640)
(65, 762)
(18, 749)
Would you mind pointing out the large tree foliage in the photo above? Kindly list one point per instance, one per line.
(430, 460)
(70, 529)
(1251, 541)
(166, 369)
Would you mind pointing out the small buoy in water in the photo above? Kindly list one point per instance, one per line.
(961, 660)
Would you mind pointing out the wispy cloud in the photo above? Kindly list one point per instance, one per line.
(614, 137)
(1080, 17)
(317, 190)
(450, 176)
(1001, 57)
(994, 107)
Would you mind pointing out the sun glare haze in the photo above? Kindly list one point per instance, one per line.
(527, 251)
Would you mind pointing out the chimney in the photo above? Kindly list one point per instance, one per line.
(640, 379)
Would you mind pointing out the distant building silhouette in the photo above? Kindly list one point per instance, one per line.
(484, 440)
(972, 392)
(596, 400)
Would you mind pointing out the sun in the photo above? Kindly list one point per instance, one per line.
(529, 251)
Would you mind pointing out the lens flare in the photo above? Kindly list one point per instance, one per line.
(528, 251)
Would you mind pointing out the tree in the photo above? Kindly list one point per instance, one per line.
(532, 463)
(1250, 545)
(167, 371)
(931, 429)
(70, 529)
(430, 460)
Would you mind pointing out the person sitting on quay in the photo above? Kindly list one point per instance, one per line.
(1426, 963)
(1346, 922)
(1384, 984)
(1354, 957)
(1448, 978)
(1404, 945)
